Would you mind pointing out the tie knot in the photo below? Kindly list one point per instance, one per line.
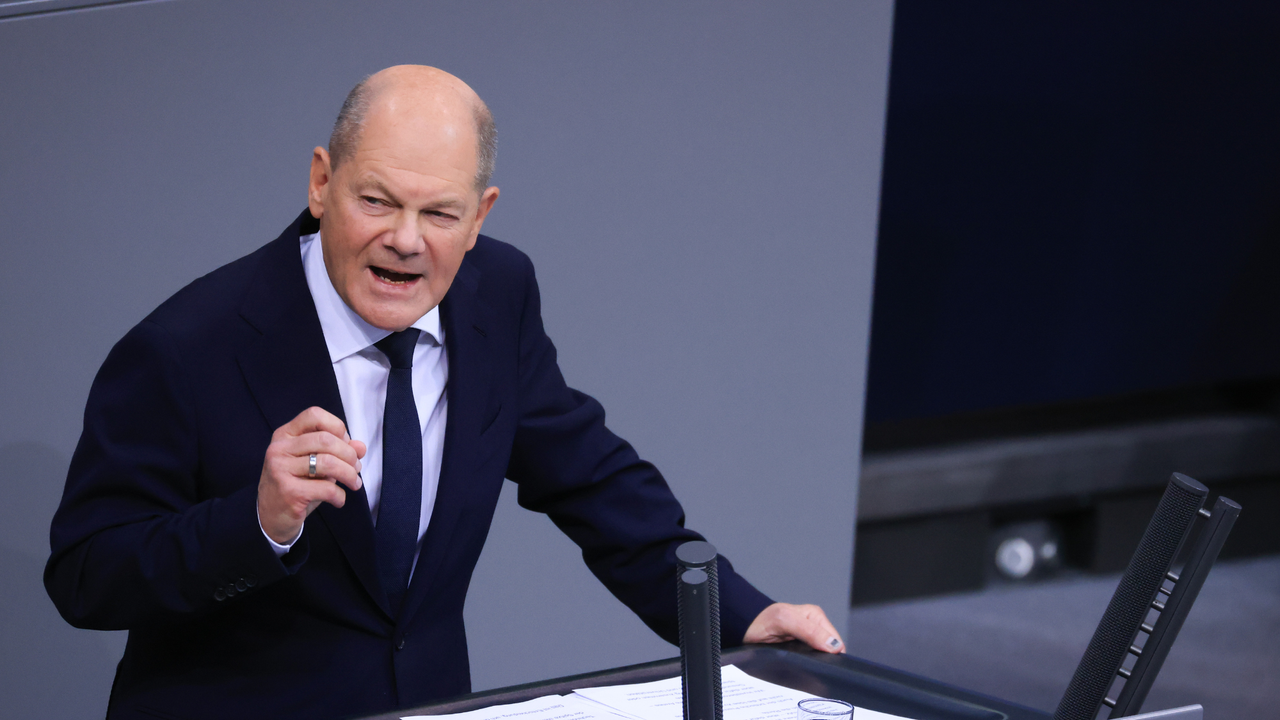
(398, 347)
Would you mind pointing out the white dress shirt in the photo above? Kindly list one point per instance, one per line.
(362, 371)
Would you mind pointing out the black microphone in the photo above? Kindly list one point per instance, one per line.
(698, 604)
(1134, 596)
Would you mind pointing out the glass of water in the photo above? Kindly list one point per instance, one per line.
(823, 709)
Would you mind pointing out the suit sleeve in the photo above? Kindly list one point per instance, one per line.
(615, 506)
(134, 542)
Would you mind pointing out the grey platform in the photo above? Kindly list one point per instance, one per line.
(1022, 643)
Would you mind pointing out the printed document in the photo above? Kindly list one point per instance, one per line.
(744, 697)
(550, 707)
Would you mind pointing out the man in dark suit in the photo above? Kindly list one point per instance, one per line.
(288, 469)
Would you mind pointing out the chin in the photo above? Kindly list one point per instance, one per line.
(390, 313)
(394, 324)
(392, 319)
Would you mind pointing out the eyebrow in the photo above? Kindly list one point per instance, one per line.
(376, 185)
(449, 204)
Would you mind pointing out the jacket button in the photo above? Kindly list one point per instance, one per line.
(241, 585)
(250, 580)
(230, 590)
(219, 595)
(400, 644)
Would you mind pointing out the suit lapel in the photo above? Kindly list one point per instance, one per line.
(288, 370)
(465, 321)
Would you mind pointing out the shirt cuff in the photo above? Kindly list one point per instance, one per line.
(276, 547)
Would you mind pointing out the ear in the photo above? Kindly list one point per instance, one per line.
(487, 199)
(320, 176)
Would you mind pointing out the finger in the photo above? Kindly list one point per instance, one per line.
(319, 442)
(833, 642)
(314, 419)
(817, 631)
(360, 448)
(329, 469)
(313, 493)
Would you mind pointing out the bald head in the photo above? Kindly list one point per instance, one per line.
(415, 89)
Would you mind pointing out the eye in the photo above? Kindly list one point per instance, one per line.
(372, 200)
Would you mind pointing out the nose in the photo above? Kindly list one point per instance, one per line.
(405, 238)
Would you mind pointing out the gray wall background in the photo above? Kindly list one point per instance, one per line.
(697, 184)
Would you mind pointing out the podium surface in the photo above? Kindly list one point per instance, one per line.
(863, 683)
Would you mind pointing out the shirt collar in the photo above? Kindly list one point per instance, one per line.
(345, 332)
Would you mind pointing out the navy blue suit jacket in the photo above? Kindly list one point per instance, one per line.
(157, 532)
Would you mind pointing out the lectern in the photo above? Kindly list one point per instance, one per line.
(863, 683)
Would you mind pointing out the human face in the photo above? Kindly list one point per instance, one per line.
(398, 215)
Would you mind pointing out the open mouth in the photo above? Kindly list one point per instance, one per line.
(395, 278)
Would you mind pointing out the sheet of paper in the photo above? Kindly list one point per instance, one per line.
(549, 707)
(596, 703)
(745, 698)
(754, 699)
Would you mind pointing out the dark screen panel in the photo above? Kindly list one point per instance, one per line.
(1079, 200)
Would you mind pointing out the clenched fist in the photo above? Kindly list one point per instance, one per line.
(287, 492)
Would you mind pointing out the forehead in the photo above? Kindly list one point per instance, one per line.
(421, 132)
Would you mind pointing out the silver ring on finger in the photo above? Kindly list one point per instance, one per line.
(311, 466)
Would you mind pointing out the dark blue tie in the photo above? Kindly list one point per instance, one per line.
(400, 506)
